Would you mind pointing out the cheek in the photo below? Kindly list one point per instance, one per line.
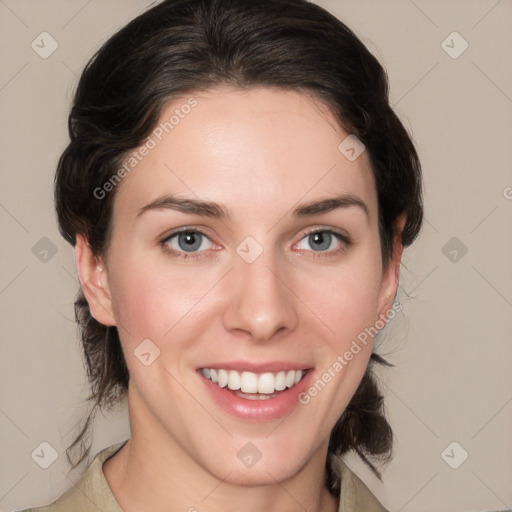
(346, 300)
(347, 306)
(149, 302)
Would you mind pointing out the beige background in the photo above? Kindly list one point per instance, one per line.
(452, 347)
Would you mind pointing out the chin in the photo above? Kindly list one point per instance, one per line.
(261, 474)
(250, 466)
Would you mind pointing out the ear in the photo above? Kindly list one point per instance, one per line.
(391, 274)
(94, 282)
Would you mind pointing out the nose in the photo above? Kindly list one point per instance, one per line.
(260, 302)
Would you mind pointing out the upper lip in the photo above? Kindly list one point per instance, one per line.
(254, 367)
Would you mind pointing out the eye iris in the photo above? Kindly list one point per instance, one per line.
(189, 241)
(320, 241)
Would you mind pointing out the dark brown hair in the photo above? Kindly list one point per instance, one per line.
(183, 46)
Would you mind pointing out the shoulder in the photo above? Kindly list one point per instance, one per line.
(90, 493)
(354, 494)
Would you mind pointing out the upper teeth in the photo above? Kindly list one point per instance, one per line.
(249, 382)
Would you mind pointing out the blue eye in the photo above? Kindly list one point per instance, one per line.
(188, 241)
(322, 241)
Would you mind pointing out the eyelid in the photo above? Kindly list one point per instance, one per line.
(182, 229)
(340, 234)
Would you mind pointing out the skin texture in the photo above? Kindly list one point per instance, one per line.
(260, 153)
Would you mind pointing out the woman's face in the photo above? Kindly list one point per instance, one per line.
(277, 268)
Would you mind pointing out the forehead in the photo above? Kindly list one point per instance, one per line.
(250, 148)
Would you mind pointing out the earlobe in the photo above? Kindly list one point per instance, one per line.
(93, 278)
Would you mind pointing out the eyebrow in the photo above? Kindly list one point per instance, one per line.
(199, 207)
(216, 210)
(330, 204)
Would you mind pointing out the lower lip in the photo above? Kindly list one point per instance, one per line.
(261, 410)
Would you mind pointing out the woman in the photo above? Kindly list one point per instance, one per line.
(238, 192)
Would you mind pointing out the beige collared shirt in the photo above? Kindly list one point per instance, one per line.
(92, 492)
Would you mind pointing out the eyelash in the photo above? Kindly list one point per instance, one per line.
(344, 240)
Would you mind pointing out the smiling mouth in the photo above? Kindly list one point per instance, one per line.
(254, 386)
